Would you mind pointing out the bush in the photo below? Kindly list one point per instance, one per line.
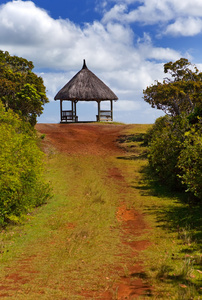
(175, 153)
(190, 162)
(21, 168)
(165, 145)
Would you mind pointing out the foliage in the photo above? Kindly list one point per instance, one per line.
(180, 94)
(21, 183)
(165, 147)
(175, 153)
(190, 162)
(175, 145)
(20, 88)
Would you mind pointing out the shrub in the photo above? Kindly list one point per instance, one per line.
(190, 162)
(166, 143)
(175, 153)
(21, 168)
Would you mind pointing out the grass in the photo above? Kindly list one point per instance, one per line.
(173, 261)
(74, 240)
(72, 245)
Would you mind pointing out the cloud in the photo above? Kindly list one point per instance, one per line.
(185, 27)
(171, 14)
(127, 105)
(148, 12)
(187, 7)
(126, 63)
(19, 18)
(30, 32)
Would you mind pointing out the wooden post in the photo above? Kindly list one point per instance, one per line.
(112, 109)
(72, 109)
(75, 111)
(98, 111)
(60, 110)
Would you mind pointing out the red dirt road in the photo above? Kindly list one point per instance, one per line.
(95, 139)
(101, 140)
(83, 138)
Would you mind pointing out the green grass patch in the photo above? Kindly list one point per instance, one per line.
(173, 262)
(72, 245)
(73, 241)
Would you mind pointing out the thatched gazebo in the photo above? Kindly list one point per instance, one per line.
(85, 86)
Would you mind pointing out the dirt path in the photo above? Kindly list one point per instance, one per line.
(94, 140)
(102, 140)
(83, 138)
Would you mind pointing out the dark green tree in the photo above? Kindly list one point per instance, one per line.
(20, 88)
(181, 93)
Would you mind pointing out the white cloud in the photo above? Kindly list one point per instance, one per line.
(127, 105)
(60, 46)
(147, 49)
(149, 12)
(18, 18)
(187, 7)
(185, 27)
(29, 31)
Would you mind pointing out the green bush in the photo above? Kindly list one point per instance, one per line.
(166, 143)
(190, 162)
(175, 153)
(21, 168)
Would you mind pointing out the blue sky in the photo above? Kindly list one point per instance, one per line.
(125, 43)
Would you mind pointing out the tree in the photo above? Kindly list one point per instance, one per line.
(182, 93)
(175, 144)
(20, 88)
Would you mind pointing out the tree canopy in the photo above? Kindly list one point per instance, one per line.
(20, 88)
(180, 93)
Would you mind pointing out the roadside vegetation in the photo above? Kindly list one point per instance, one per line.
(22, 96)
(173, 261)
(22, 185)
(175, 141)
(175, 169)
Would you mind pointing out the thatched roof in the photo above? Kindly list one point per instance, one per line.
(85, 86)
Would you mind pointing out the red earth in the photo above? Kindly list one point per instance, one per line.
(96, 139)
(102, 140)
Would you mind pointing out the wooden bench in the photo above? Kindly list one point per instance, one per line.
(67, 115)
(105, 115)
